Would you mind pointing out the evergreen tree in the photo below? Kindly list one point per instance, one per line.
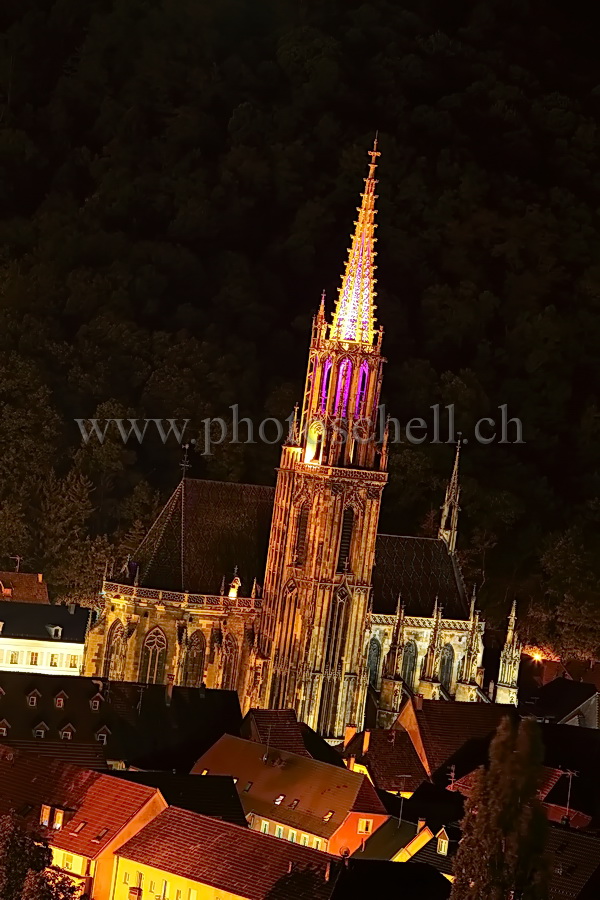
(20, 852)
(501, 854)
(49, 885)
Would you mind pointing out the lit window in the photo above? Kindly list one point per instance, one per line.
(54, 660)
(304, 840)
(73, 661)
(60, 702)
(59, 817)
(66, 735)
(33, 659)
(3, 731)
(56, 633)
(247, 788)
(365, 826)
(68, 862)
(152, 887)
(279, 799)
(279, 831)
(294, 804)
(178, 895)
(32, 700)
(45, 815)
(328, 816)
(193, 894)
(317, 843)
(292, 837)
(205, 771)
(101, 737)
(442, 846)
(14, 658)
(95, 704)
(126, 878)
(165, 889)
(264, 827)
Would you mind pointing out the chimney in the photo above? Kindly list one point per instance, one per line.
(366, 740)
(350, 762)
(71, 609)
(169, 689)
(420, 825)
(290, 866)
(418, 701)
(328, 870)
(349, 734)
(40, 577)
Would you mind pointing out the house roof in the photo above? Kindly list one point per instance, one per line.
(104, 803)
(449, 728)
(213, 795)
(318, 787)
(559, 699)
(238, 860)
(429, 851)
(370, 877)
(391, 759)
(388, 840)
(276, 727)
(36, 621)
(574, 864)
(205, 531)
(144, 728)
(418, 570)
(23, 587)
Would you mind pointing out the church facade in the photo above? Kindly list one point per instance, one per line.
(290, 595)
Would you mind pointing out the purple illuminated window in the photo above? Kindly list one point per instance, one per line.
(363, 380)
(325, 384)
(343, 388)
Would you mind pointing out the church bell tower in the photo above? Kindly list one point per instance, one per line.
(331, 476)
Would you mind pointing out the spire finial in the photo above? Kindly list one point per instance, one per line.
(448, 530)
(354, 317)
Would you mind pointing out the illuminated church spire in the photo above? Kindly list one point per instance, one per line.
(448, 529)
(354, 317)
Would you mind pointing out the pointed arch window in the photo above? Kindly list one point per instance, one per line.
(374, 661)
(154, 656)
(116, 648)
(314, 443)
(363, 381)
(193, 675)
(343, 388)
(409, 664)
(229, 663)
(301, 532)
(446, 666)
(325, 380)
(346, 540)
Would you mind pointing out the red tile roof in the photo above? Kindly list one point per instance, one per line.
(101, 801)
(317, 787)
(233, 859)
(390, 759)
(276, 727)
(23, 587)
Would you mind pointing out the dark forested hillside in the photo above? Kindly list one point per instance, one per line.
(177, 183)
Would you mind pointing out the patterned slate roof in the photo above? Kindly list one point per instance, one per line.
(418, 570)
(206, 529)
(318, 787)
(35, 621)
(235, 860)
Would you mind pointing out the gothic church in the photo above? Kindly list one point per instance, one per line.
(343, 611)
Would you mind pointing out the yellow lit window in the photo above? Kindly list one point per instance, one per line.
(365, 826)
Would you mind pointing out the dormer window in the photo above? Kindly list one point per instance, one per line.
(279, 799)
(40, 730)
(67, 732)
(59, 700)
(55, 632)
(102, 735)
(328, 815)
(442, 843)
(95, 702)
(4, 726)
(45, 815)
(59, 817)
(32, 698)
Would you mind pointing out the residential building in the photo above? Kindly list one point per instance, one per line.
(299, 799)
(387, 756)
(181, 855)
(85, 815)
(42, 638)
(280, 729)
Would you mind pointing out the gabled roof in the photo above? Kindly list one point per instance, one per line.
(235, 860)
(391, 759)
(106, 804)
(23, 587)
(418, 570)
(206, 529)
(145, 728)
(318, 788)
(559, 699)
(574, 864)
(213, 795)
(376, 878)
(278, 728)
(429, 852)
(445, 729)
(35, 621)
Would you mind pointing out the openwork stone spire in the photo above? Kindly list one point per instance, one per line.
(354, 317)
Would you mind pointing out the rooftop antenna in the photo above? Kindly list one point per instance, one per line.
(452, 771)
(18, 560)
(571, 774)
(185, 463)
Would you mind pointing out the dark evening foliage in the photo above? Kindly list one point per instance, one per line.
(177, 184)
